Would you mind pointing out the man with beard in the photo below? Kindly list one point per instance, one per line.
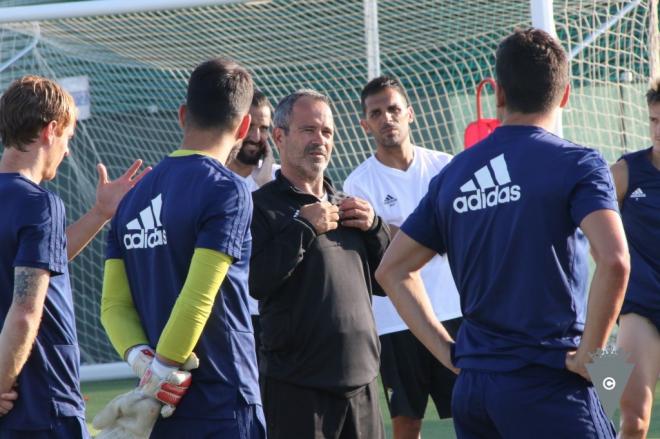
(312, 269)
(244, 161)
(245, 158)
(394, 180)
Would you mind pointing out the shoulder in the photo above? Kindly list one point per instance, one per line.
(360, 173)
(432, 154)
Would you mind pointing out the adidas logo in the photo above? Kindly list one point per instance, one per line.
(149, 232)
(389, 200)
(488, 192)
(638, 193)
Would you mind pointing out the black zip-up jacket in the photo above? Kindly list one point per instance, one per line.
(314, 292)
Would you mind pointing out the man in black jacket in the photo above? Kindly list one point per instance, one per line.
(313, 259)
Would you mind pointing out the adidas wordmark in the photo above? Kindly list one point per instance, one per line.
(488, 192)
(148, 231)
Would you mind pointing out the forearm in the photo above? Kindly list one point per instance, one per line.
(191, 311)
(80, 233)
(118, 314)
(275, 257)
(21, 323)
(407, 293)
(605, 299)
(18, 334)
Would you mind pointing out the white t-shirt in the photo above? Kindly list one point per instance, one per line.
(253, 304)
(394, 194)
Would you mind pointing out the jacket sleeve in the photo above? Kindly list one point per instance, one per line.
(376, 239)
(277, 249)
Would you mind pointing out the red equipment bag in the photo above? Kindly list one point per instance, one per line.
(481, 128)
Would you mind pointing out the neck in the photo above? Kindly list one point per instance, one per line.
(29, 164)
(241, 168)
(310, 185)
(398, 158)
(655, 156)
(547, 121)
(216, 145)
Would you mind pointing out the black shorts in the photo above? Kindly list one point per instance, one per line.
(411, 374)
(256, 327)
(300, 412)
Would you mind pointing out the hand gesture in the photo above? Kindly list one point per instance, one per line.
(110, 192)
(356, 212)
(322, 215)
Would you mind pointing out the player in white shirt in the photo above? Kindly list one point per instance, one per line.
(244, 161)
(394, 180)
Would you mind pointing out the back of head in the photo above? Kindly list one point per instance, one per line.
(379, 84)
(28, 105)
(219, 95)
(653, 93)
(532, 71)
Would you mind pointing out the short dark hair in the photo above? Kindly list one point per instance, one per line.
(532, 70)
(379, 84)
(29, 104)
(284, 109)
(653, 93)
(219, 94)
(260, 100)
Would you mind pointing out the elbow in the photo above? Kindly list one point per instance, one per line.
(617, 265)
(383, 276)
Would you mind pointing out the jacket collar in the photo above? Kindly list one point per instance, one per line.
(284, 184)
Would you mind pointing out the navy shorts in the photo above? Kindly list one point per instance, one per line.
(534, 402)
(248, 423)
(63, 428)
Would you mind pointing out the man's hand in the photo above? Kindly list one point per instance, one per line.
(322, 215)
(131, 415)
(168, 384)
(576, 363)
(110, 192)
(7, 401)
(356, 212)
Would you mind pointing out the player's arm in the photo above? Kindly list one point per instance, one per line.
(22, 323)
(609, 249)
(399, 276)
(208, 269)
(108, 195)
(118, 314)
(620, 175)
(276, 252)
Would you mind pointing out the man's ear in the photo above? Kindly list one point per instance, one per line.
(278, 138)
(243, 128)
(500, 98)
(365, 127)
(564, 98)
(49, 132)
(182, 116)
(411, 114)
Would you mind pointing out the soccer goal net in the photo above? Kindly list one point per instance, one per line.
(128, 70)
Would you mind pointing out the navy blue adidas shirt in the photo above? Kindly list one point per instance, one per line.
(507, 211)
(184, 203)
(640, 212)
(32, 233)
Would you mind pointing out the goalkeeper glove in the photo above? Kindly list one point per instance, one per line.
(168, 384)
(130, 415)
(139, 358)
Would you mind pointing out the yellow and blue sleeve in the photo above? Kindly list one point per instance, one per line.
(118, 314)
(208, 269)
